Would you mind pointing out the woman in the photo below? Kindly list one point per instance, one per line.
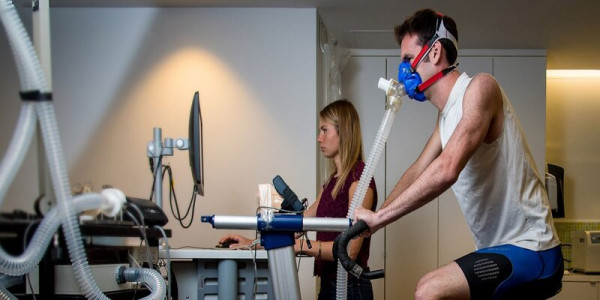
(341, 142)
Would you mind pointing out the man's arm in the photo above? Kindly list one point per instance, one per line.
(481, 106)
(432, 149)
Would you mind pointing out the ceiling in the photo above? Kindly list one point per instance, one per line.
(568, 30)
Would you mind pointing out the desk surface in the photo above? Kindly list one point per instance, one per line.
(580, 277)
(212, 253)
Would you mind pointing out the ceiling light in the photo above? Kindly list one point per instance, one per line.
(588, 73)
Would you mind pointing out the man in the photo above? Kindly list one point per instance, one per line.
(477, 148)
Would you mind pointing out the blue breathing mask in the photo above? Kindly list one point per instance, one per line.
(411, 81)
(407, 74)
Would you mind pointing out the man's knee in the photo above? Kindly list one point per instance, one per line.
(445, 282)
(428, 287)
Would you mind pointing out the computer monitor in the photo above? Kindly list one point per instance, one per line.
(196, 145)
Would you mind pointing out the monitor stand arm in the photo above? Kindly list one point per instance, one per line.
(156, 149)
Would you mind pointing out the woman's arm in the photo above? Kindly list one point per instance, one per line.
(324, 250)
(311, 211)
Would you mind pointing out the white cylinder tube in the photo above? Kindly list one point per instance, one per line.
(372, 160)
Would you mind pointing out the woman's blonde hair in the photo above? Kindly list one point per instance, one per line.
(343, 115)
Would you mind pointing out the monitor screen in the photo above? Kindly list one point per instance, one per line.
(196, 153)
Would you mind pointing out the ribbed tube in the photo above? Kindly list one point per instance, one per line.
(7, 281)
(24, 263)
(31, 74)
(17, 149)
(363, 184)
(31, 78)
(151, 278)
(60, 182)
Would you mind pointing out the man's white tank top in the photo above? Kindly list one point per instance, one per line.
(500, 191)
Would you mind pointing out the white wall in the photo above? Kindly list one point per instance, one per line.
(573, 142)
(119, 72)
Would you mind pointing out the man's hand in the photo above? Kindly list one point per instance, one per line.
(368, 217)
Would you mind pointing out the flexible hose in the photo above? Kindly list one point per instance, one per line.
(7, 281)
(166, 239)
(31, 74)
(24, 263)
(31, 78)
(60, 182)
(361, 190)
(17, 149)
(150, 277)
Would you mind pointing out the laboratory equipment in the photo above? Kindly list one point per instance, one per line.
(196, 145)
(394, 91)
(156, 149)
(339, 252)
(37, 104)
(586, 251)
(277, 237)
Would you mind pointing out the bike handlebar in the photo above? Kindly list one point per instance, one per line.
(340, 253)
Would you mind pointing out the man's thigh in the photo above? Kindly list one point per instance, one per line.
(448, 282)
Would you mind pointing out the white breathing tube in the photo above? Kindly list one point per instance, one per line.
(32, 79)
(25, 262)
(7, 281)
(394, 91)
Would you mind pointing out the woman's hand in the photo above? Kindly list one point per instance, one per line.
(299, 246)
(235, 241)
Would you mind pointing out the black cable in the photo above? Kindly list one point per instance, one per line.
(142, 228)
(25, 234)
(173, 198)
(154, 170)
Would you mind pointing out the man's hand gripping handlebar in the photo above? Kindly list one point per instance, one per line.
(339, 252)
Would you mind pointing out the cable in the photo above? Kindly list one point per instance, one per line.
(143, 231)
(168, 260)
(173, 198)
(25, 247)
(154, 170)
(253, 248)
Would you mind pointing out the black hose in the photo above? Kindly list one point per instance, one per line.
(339, 252)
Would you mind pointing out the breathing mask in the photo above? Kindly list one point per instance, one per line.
(407, 73)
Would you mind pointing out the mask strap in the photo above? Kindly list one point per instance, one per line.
(440, 33)
(429, 82)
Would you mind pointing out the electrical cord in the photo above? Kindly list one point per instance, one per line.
(252, 247)
(168, 260)
(25, 234)
(154, 170)
(142, 230)
(173, 199)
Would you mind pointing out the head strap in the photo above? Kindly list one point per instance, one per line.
(440, 33)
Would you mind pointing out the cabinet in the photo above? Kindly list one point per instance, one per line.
(436, 233)
(581, 287)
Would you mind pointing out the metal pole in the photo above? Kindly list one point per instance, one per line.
(228, 279)
(284, 274)
(157, 152)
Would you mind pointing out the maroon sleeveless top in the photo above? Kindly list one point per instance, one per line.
(338, 208)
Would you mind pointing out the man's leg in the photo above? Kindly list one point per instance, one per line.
(447, 282)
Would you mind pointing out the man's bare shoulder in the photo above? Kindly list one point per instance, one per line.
(484, 89)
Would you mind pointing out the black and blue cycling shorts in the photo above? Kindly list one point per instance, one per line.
(496, 272)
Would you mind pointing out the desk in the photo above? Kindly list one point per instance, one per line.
(207, 273)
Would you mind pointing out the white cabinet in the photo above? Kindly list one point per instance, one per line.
(580, 289)
(436, 233)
